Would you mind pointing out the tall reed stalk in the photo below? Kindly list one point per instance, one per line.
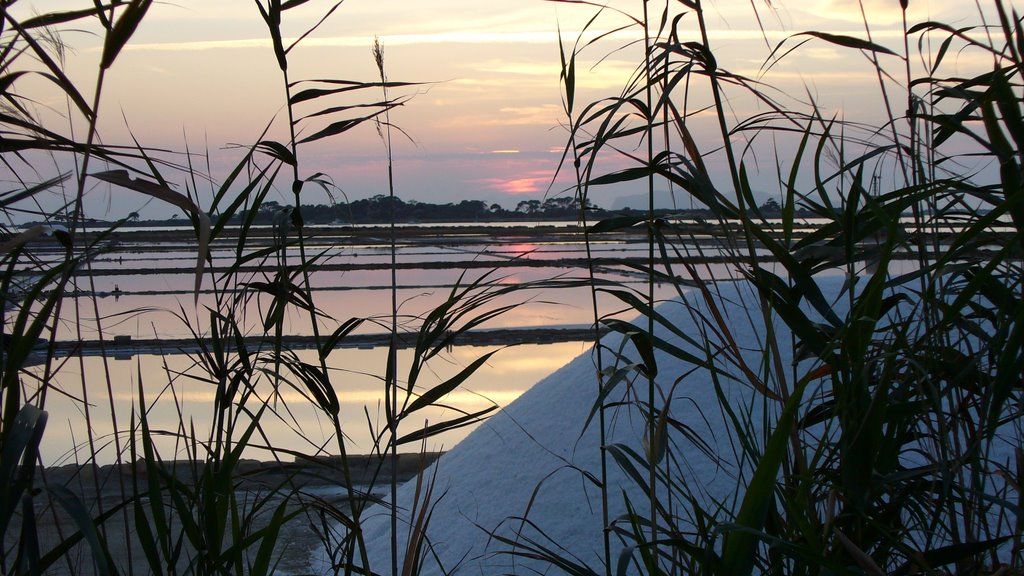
(580, 192)
(391, 379)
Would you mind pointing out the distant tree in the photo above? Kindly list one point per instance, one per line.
(561, 207)
(770, 206)
(471, 209)
(528, 207)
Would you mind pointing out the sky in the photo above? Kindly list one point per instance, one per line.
(486, 123)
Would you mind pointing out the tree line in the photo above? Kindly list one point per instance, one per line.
(381, 209)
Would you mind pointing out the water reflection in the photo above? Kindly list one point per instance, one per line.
(178, 393)
(144, 290)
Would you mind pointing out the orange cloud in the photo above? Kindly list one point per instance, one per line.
(531, 185)
(514, 174)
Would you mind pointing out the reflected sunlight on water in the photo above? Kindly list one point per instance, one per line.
(143, 290)
(176, 392)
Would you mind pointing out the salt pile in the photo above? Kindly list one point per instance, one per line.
(528, 474)
(535, 460)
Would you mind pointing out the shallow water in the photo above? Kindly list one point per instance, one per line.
(176, 392)
(144, 290)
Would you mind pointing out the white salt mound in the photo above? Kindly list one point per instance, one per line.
(535, 459)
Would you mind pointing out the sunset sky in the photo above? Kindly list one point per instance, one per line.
(487, 123)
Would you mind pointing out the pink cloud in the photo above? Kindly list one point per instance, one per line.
(532, 182)
(523, 186)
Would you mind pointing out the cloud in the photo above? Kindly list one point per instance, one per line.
(449, 37)
(532, 114)
(201, 45)
(443, 37)
(822, 54)
(531, 183)
(547, 69)
(857, 74)
(879, 12)
(547, 116)
(523, 185)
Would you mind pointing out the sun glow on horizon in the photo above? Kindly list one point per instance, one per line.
(491, 73)
(528, 185)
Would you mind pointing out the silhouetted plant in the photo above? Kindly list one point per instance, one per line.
(888, 439)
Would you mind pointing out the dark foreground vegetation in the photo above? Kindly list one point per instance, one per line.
(874, 451)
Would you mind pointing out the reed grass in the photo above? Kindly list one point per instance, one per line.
(183, 496)
(889, 442)
(882, 432)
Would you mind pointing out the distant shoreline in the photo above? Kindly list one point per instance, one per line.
(125, 347)
(364, 469)
(313, 217)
